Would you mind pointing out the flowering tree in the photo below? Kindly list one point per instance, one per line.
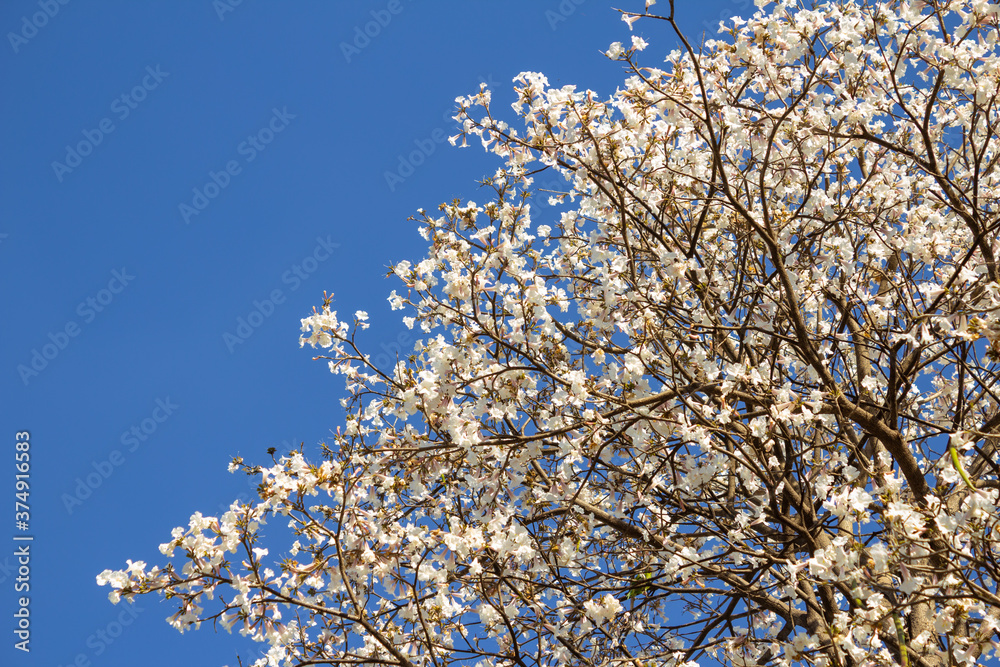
(737, 405)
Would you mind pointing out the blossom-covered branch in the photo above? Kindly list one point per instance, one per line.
(737, 404)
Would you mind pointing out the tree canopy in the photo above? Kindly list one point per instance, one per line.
(735, 402)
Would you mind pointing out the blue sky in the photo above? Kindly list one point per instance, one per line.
(180, 184)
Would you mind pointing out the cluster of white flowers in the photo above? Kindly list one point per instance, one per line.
(748, 367)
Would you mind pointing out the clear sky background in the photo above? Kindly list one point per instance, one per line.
(179, 183)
